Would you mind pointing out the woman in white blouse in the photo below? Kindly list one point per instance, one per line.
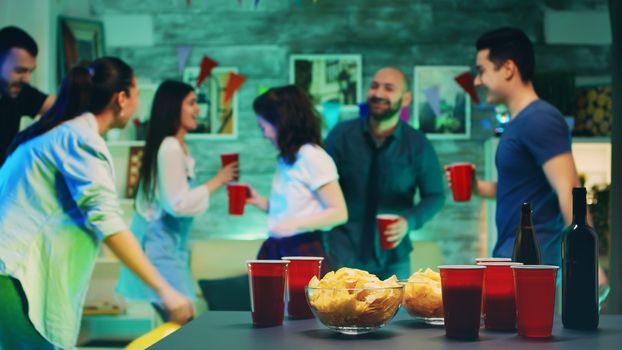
(306, 198)
(58, 204)
(168, 197)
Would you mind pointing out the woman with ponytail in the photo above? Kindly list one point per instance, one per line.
(306, 198)
(169, 196)
(58, 204)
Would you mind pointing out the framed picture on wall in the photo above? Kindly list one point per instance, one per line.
(442, 109)
(79, 40)
(328, 78)
(217, 119)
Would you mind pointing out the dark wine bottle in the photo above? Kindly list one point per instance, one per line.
(579, 269)
(526, 246)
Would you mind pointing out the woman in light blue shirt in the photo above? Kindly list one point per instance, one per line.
(58, 204)
(168, 197)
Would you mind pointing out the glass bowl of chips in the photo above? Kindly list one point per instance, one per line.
(353, 301)
(423, 298)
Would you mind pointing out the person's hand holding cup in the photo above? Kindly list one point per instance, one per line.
(238, 194)
(392, 229)
(461, 179)
(228, 173)
(226, 159)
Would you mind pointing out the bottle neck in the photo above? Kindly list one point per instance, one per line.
(579, 206)
(525, 217)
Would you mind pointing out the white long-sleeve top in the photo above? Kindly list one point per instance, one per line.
(173, 193)
(57, 203)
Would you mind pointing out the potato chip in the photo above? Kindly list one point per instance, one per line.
(352, 297)
(423, 294)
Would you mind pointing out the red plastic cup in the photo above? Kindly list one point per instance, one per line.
(237, 197)
(461, 180)
(462, 299)
(499, 305)
(478, 261)
(228, 158)
(535, 299)
(300, 271)
(384, 221)
(267, 281)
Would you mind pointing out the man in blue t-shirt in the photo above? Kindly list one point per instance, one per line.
(534, 160)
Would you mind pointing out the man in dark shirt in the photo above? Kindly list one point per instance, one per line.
(382, 164)
(18, 59)
(534, 157)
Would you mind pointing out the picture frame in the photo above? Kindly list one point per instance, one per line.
(79, 40)
(441, 108)
(217, 119)
(328, 78)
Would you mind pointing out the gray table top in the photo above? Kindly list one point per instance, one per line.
(233, 330)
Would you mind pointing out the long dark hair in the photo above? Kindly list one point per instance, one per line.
(289, 109)
(165, 121)
(84, 89)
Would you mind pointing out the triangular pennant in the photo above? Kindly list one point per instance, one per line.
(405, 114)
(188, 3)
(233, 84)
(240, 3)
(465, 80)
(257, 3)
(262, 89)
(183, 53)
(330, 111)
(207, 64)
(432, 94)
(363, 109)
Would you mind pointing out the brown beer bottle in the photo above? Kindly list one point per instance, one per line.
(526, 246)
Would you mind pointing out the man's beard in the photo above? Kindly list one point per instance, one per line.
(380, 117)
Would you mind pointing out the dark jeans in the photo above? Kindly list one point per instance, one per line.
(303, 244)
(16, 330)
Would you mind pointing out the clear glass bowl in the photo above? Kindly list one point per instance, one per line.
(354, 310)
(424, 302)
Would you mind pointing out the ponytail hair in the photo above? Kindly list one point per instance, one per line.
(85, 89)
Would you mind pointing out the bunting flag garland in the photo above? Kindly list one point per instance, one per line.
(183, 53)
(261, 89)
(405, 114)
(233, 84)
(465, 80)
(207, 64)
(363, 109)
(432, 94)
